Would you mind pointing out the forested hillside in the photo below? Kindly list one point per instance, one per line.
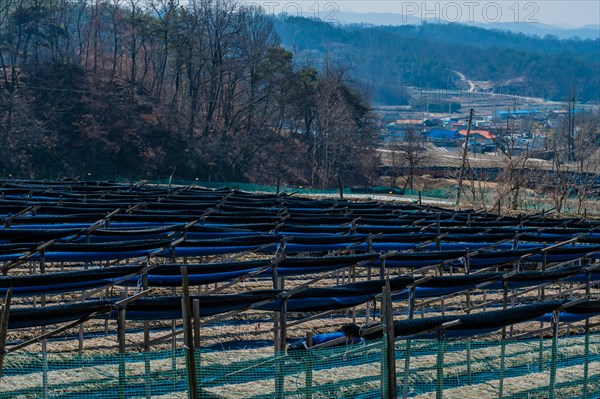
(390, 58)
(148, 88)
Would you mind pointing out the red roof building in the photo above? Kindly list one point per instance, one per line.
(482, 133)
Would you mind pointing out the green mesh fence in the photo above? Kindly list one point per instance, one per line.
(536, 368)
(446, 194)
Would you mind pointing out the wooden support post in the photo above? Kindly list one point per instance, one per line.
(309, 339)
(586, 349)
(186, 312)
(502, 364)
(405, 380)
(542, 298)
(411, 302)
(353, 276)
(411, 314)
(468, 311)
(389, 387)
(469, 362)
(107, 293)
(279, 376)
(283, 320)
(44, 366)
(484, 299)
(541, 349)
(503, 343)
(544, 263)
(174, 343)
(62, 269)
(147, 368)
(278, 338)
(382, 275)
(33, 270)
(121, 338)
(504, 298)
(308, 388)
(43, 261)
(441, 350)
(4, 327)
(277, 285)
(276, 330)
(44, 342)
(554, 356)
(586, 360)
(196, 310)
(369, 272)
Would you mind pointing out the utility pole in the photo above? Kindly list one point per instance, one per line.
(571, 116)
(464, 160)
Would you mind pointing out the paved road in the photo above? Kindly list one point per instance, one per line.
(463, 78)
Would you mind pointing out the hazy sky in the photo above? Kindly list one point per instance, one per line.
(555, 12)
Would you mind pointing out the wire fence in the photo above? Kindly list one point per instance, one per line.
(441, 194)
(567, 367)
(476, 197)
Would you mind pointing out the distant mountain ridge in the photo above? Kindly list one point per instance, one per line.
(542, 30)
(529, 28)
(388, 59)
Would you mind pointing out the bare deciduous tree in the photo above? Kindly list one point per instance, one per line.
(407, 156)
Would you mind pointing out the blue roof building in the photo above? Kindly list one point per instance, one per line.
(442, 134)
(442, 137)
